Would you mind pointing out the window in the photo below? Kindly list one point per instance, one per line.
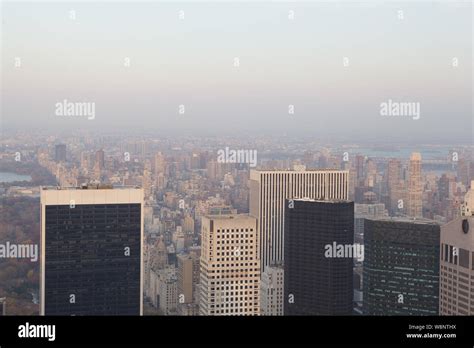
(464, 258)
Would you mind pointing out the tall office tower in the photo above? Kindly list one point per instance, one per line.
(188, 283)
(271, 291)
(188, 276)
(167, 290)
(185, 278)
(100, 159)
(147, 183)
(371, 173)
(401, 267)
(230, 268)
(319, 254)
(160, 164)
(393, 181)
(3, 306)
(359, 166)
(160, 181)
(415, 188)
(91, 251)
(443, 187)
(268, 191)
(393, 172)
(60, 153)
(457, 262)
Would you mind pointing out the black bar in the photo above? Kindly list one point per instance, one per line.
(244, 330)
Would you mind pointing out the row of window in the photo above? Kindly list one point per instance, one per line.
(234, 230)
(457, 256)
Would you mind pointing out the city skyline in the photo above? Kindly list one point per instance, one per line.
(203, 172)
(237, 158)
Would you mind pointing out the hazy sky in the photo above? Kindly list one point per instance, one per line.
(190, 61)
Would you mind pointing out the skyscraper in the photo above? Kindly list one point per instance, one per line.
(91, 245)
(359, 168)
(415, 188)
(188, 278)
(319, 253)
(100, 159)
(268, 191)
(159, 166)
(230, 268)
(401, 267)
(457, 262)
(188, 283)
(393, 183)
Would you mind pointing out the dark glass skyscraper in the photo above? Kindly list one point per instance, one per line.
(401, 267)
(91, 251)
(318, 281)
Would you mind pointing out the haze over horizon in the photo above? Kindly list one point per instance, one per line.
(282, 62)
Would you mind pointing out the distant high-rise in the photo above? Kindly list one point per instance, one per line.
(359, 168)
(147, 180)
(167, 288)
(457, 262)
(271, 291)
(159, 164)
(230, 268)
(268, 191)
(188, 276)
(393, 172)
(415, 188)
(393, 182)
(100, 159)
(188, 283)
(60, 153)
(91, 245)
(401, 267)
(318, 278)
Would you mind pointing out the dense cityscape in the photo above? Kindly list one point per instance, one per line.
(212, 172)
(341, 229)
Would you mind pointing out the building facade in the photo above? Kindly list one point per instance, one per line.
(318, 280)
(456, 293)
(230, 268)
(401, 267)
(272, 290)
(91, 251)
(268, 191)
(415, 187)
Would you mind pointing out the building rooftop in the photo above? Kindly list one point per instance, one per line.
(405, 219)
(90, 187)
(228, 216)
(302, 170)
(306, 199)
